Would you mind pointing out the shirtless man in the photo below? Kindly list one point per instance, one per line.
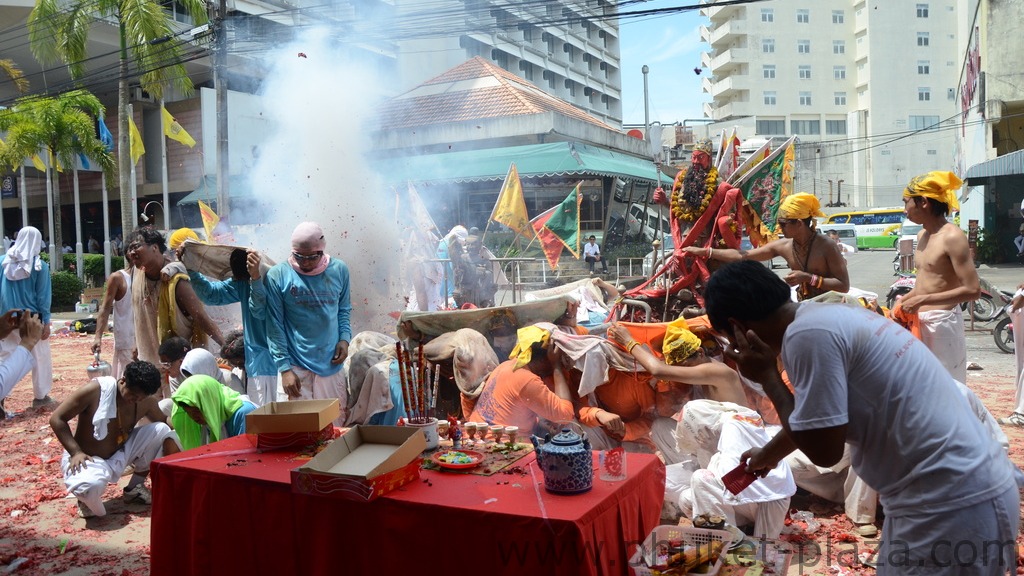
(106, 439)
(117, 300)
(816, 266)
(945, 274)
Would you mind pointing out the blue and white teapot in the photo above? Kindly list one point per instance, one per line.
(566, 461)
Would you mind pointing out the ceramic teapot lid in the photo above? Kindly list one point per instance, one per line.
(566, 438)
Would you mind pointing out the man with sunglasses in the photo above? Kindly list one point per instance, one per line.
(815, 265)
(308, 308)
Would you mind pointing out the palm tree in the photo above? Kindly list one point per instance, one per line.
(59, 30)
(63, 126)
(9, 68)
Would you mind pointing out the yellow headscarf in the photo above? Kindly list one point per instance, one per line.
(937, 186)
(800, 206)
(680, 343)
(527, 337)
(180, 235)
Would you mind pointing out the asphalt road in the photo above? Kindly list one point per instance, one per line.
(872, 270)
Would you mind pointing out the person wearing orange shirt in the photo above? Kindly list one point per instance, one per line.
(517, 392)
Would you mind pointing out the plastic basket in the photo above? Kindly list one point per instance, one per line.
(644, 557)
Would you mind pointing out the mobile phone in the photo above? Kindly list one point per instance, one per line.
(16, 314)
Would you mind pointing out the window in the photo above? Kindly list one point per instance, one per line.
(840, 98)
(803, 46)
(839, 72)
(805, 72)
(924, 94)
(835, 127)
(769, 98)
(771, 126)
(922, 10)
(805, 98)
(923, 67)
(528, 33)
(838, 17)
(932, 152)
(838, 47)
(768, 46)
(805, 127)
(768, 70)
(767, 15)
(803, 16)
(924, 122)
(922, 38)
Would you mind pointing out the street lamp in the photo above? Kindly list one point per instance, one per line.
(146, 218)
(647, 114)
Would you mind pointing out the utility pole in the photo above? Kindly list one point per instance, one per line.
(220, 84)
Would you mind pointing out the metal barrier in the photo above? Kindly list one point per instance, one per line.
(635, 266)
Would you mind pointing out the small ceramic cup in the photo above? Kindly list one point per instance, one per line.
(496, 431)
(512, 432)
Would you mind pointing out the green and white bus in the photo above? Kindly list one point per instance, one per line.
(875, 227)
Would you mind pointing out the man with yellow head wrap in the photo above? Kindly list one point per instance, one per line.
(816, 264)
(530, 385)
(945, 269)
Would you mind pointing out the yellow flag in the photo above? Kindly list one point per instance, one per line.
(38, 163)
(135, 144)
(210, 219)
(174, 131)
(510, 208)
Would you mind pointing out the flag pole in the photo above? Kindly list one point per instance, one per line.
(106, 227)
(79, 260)
(163, 166)
(495, 208)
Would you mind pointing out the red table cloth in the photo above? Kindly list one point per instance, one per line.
(226, 509)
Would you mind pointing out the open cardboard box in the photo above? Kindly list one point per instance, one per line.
(282, 425)
(364, 464)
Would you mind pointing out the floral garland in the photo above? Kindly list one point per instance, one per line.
(684, 206)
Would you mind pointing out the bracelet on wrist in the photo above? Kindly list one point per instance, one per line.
(632, 344)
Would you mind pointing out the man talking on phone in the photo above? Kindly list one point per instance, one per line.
(30, 327)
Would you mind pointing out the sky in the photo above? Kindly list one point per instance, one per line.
(670, 46)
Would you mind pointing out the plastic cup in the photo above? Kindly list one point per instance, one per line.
(612, 464)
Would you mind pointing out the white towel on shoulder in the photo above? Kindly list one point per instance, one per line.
(107, 408)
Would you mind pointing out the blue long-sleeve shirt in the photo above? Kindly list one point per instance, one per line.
(32, 293)
(307, 316)
(258, 361)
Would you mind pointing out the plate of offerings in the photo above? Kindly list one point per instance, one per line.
(457, 459)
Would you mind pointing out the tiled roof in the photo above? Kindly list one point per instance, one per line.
(474, 90)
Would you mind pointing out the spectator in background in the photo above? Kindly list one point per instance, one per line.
(592, 253)
(843, 247)
(25, 285)
(94, 245)
(117, 300)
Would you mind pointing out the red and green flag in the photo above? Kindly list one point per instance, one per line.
(559, 227)
(765, 185)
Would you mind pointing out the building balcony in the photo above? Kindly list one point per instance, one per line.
(705, 60)
(705, 34)
(725, 87)
(718, 13)
(727, 32)
(728, 59)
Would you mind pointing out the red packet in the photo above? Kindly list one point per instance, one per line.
(737, 479)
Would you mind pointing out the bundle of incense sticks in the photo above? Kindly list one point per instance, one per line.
(415, 379)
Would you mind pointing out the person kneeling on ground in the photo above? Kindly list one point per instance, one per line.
(207, 411)
(106, 440)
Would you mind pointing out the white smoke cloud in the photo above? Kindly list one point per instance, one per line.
(313, 168)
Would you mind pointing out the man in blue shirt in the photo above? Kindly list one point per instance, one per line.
(307, 299)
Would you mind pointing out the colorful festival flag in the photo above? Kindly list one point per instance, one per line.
(510, 209)
(104, 134)
(210, 219)
(135, 144)
(559, 227)
(174, 131)
(764, 187)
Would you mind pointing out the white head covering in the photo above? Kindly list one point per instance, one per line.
(459, 232)
(23, 257)
(200, 361)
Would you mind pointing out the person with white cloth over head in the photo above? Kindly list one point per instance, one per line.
(719, 433)
(25, 285)
(106, 439)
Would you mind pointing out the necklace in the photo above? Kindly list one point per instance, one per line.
(148, 289)
(122, 434)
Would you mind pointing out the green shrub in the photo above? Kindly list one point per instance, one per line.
(67, 289)
(988, 249)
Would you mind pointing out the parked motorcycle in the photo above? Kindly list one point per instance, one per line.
(984, 309)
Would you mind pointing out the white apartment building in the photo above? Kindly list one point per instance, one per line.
(867, 86)
(568, 48)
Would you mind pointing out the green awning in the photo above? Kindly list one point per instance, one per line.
(207, 190)
(533, 161)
